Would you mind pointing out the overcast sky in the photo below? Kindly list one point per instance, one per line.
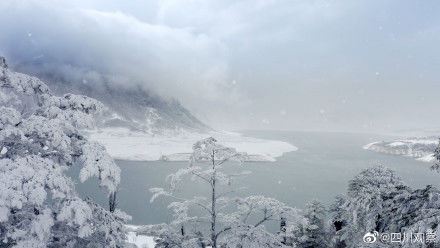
(267, 64)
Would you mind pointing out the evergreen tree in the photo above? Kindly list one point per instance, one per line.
(39, 140)
(311, 233)
(379, 202)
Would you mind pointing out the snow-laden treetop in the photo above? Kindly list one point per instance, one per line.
(209, 149)
(39, 140)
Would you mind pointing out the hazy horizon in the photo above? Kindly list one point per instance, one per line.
(363, 66)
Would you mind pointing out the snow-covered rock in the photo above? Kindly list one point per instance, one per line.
(420, 148)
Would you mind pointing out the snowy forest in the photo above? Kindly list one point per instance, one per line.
(219, 124)
(41, 137)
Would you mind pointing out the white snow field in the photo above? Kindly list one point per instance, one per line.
(421, 149)
(124, 144)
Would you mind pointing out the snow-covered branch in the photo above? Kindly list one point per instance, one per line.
(39, 139)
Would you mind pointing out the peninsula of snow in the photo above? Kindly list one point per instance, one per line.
(125, 144)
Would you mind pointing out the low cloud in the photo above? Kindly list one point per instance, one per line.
(85, 44)
(236, 63)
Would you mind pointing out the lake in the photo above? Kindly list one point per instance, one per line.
(320, 169)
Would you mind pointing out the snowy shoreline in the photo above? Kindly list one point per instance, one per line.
(422, 149)
(124, 144)
(140, 241)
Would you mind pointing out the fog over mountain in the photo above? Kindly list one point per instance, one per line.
(133, 107)
(314, 65)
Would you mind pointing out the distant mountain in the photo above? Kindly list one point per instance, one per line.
(132, 106)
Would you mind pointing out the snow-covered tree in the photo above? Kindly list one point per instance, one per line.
(311, 232)
(363, 208)
(231, 221)
(39, 140)
(338, 221)
(436, 166)
(378, 201)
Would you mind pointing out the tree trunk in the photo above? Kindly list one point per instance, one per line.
(283, 225)
(213, 201)
(112, 202)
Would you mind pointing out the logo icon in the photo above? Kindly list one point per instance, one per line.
(370, 238)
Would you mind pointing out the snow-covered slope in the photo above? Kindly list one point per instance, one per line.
(132, 106)
(126, 144)
(420, 148)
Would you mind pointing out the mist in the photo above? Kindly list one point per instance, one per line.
(364, 66)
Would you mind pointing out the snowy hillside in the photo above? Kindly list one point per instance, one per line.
(132, 106)
(420, 148)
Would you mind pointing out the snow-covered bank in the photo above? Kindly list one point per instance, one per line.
(124, 144)
(140, 241)
(420, 148)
